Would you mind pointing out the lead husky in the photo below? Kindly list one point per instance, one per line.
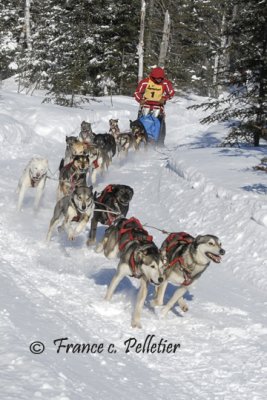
(72, 174)
(77, 207)
(34, 175)
(186, 259)
(139, 258)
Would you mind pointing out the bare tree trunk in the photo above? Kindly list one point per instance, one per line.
(222, 57)
(230, 39)
(28, 24)
(149, 30)
(218, 60)
(165, 40)
(261, 117)
(122, 66)
(140, 47)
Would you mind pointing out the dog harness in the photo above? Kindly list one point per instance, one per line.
(174, 240)
(80, 214)
(77, 218)
(108, 189)
(36, 180)
(130, 231)
(72, 180)
(177, 238)
(110, 216)
(95, 164)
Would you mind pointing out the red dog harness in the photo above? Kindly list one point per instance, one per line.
(132, 230)
(173, 240)
(35, 181)
(108, 189)
(110, 217)
(72, 180)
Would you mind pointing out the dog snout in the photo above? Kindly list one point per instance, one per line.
(160, 280)
(84, 207)
(222, 252)
(126, 199)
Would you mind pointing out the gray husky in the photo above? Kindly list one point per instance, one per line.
(186, 258)
(77, 207)
(86, 134)
(139, 258)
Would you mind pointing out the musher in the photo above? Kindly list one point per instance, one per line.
(152, 94)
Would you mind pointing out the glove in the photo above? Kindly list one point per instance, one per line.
(162, 101)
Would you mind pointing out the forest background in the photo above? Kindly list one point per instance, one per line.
(75, 49)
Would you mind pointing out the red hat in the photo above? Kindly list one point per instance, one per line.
(157, 73)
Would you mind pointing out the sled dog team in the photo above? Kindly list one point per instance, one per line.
(180, 260)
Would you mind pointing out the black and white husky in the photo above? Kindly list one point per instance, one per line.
(139, 257)
(34, 175)
(78, 207)
(185, 260)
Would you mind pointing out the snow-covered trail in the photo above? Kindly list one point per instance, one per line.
(56, 291)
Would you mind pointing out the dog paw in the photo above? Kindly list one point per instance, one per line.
(90, 242)
(164, 312)
(107, 297)
(184, 308)
(99, 248)
(155, 303)
(136, 324)
(71, 237)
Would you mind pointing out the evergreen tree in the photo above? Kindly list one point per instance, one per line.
(117, 39)
(11, 33)
(246, 102)
(194, 41)
(89, 47)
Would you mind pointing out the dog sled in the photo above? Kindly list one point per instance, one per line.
(153, 121)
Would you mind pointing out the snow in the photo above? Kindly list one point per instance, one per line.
(56, 291)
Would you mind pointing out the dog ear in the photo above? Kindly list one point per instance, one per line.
(196, 241)
(143, 251)
(139, 256)
(116, 189)
(163, 253)
(131, 191)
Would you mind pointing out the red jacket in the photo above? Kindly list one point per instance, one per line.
(164, 91)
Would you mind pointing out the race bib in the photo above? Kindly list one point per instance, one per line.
(153, 91)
